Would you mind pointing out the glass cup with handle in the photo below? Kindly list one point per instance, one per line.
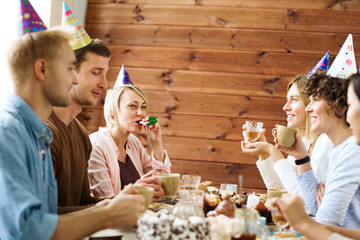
(253, 130)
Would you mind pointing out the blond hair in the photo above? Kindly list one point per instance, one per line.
(112, 102)
(300, 83)
(26, 49)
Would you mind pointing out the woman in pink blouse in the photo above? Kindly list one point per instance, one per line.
(118, 157)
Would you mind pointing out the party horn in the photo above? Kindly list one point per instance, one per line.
(152, 120)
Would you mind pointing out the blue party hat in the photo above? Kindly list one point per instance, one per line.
(322, 64)
(123, 78)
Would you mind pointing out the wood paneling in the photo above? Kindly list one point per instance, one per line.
(205, 82)
(218, 38)
(217, 61)
(347, 5)
(207, 66)
(234, 17)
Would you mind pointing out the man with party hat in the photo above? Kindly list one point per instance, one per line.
(322, 64)
(344, 64)
(42, 65)
(71, 147)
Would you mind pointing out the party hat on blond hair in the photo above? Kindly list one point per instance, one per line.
(322, 64)
(123, 78)
(82, 39)
(29, 20)
(344, 64)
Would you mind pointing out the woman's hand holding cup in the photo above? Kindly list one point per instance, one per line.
(261, 147)
(296, 149)
(150, 180)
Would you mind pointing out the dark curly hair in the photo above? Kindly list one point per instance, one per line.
(331, 89)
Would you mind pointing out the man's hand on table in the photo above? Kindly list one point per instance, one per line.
(125, 208)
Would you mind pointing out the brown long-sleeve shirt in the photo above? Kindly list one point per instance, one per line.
(70, 152)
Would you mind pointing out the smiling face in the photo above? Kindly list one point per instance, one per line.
(132, 110)
(321, 119)
(353, 113)
(295, 109)
(92, 79)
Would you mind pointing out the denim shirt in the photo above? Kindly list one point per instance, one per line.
(27, 184)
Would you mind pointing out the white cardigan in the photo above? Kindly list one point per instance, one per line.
(282, 174)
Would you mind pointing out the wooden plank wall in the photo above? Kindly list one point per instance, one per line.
(209, 65)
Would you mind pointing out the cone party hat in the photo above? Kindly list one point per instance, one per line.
(322, 64)
(123, 78)
(82, 39)
(29, 20)
(344, 64)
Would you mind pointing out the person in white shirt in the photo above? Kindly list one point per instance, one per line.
(291, 206)
(277, 171)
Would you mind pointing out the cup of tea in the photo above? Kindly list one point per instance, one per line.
(253, 130)
(148, 194)
(170, 183)
(191, 182)
(271, 193)
(286, 136)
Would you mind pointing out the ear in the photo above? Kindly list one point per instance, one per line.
(41, 68)
(113, 115)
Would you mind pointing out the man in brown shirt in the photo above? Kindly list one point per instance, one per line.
(71, 147)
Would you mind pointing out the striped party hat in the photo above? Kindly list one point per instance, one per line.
(29, 20)
(82, 39)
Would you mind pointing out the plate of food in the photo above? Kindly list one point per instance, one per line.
(169, 200)
(156, 207)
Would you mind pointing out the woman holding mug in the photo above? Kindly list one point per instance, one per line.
(292, 206)
(327, 108)
(279, 172)
(118, 157)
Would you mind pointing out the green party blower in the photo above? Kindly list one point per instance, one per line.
(152, 120)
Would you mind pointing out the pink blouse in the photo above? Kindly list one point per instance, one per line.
(103, 169)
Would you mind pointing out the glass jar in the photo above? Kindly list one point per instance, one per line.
(190, 204)
(252, 227)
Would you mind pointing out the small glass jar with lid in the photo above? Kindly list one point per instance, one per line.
(190, 204)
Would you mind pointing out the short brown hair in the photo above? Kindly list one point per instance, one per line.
(26, 49)
(331, 89)
(96, 46)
